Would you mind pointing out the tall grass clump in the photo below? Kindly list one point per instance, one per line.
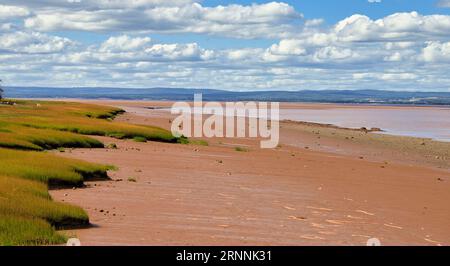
(30, 199)
(48, 168)
(28, 216)
(25, 138)
(20, 231)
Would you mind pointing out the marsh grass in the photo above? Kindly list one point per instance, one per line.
(198, 142)
(241, 149)
(28, 216)
(139, 139)
(20, 231)
(25, 138)
(40, 125)
(183, 140)
(48, 168)
(30, 199)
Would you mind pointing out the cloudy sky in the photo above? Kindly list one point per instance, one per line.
(235, 45)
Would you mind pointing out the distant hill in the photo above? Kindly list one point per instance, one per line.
(178, 94)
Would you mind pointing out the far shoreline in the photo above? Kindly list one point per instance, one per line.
(162, 104)
(285, 104)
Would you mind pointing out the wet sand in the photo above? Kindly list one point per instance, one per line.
(322, 186)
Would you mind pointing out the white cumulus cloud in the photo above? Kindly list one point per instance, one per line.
(33, 43)
(401, 51)
(124, 43)
(272, 19)
(8, 12)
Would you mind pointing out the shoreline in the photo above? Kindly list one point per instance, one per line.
(337, 139)
(285, 103)
(317, 188)
(161, 105)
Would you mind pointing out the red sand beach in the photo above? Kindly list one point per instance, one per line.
(321, 186)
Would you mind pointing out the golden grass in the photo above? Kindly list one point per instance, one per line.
(28, 216)
(19, 137)
(43, 125)
(48, 168)
(30, 199)
(20, 231)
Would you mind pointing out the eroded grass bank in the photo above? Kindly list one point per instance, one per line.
(28, 216)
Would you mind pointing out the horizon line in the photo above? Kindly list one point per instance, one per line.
(223, 90)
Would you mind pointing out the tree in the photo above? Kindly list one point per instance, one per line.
(1, 90)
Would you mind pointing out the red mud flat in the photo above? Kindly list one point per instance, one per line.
(298, 194)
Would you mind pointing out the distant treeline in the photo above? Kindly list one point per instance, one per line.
(178, 94)
(1, 90)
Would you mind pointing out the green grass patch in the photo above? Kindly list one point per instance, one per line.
(183, 140)
(28, 216)
(48, 168)
(199, 142)
(21, 231)
(30, 199)
(39, 125)
(139, 139)
(241, 149)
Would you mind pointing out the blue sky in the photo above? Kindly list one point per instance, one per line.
(334, 10)
(234, 45)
